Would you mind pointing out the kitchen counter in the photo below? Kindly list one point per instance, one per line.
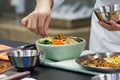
(47, 73)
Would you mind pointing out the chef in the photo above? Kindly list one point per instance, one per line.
(103, 37)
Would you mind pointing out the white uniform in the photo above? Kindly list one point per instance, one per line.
(19, 6)
(57, 3)
(101, 39)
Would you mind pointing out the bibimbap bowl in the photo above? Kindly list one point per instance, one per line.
(54, 51)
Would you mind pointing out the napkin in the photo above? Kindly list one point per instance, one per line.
(69, 65)
(3, 56)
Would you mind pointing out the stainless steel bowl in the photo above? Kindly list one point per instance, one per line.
(24, 59)
(106, 13)
(113, 76)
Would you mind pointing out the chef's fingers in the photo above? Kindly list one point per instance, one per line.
(33, 23)
(106, 25)
(30, 22)
(47, 22)
(41, 24)
(24, 21)
(115, 25)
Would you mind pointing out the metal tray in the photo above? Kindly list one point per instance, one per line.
(98, 55)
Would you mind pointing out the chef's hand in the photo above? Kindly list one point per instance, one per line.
(39, 20)
(113, 26)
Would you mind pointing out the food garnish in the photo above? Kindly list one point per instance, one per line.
(46, 41)
(60, 39)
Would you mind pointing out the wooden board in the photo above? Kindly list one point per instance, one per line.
(5, 66)
(4, 61)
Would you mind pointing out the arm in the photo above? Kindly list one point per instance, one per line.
(38, 20)
(43, 2)
(113, 26)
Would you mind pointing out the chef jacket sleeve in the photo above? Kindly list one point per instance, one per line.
(57, 3)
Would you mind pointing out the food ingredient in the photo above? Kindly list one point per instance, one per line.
(4, 66)
(106, 62)
(60, 39)
(3, 56)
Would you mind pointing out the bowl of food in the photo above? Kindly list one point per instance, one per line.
(60, 47)
(112, 76)
(107, 62)
(108, 12)
(24, 59)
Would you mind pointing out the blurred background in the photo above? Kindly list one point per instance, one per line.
(73, 18)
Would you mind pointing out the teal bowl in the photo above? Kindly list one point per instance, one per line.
(61, 52)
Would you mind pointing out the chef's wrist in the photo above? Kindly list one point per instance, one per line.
(49, 3)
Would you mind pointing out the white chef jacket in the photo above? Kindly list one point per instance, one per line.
(57, 3)
(102, 40)
(19, 6)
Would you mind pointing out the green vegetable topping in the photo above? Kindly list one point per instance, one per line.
(45, 42)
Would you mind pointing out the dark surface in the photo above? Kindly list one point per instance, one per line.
(47, 73)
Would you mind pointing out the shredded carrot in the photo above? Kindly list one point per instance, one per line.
(57, 42)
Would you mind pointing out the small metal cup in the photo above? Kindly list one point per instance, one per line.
(24, 59)
(106, 13)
